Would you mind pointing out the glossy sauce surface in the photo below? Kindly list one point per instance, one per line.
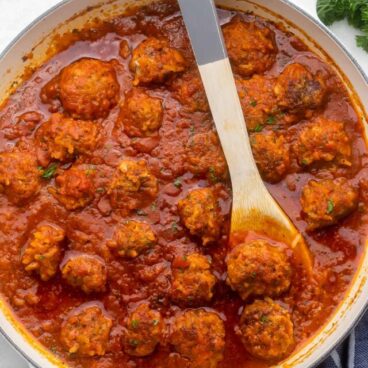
(42, 306)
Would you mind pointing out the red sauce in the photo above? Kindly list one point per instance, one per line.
(42, 306)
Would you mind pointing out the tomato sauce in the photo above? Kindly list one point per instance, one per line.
(42, 306)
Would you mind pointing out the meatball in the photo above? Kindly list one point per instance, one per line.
(251, 47)
(326, 201)
(86, 331)
(89, 89)
(132, 185)
(62, 138)
(133, 238)
(19, 176)
(154, 61)
(74, 187)
(271, 155)
(258, 268)
(144, 328)
(199, 336)
(189, 91)
(200, 213)
(258, 101)
(204, 156)
(266, 330)
(42, 254)
(84, 271)
(193, 281)
(141, 114)
(323, 140)
(298, 90)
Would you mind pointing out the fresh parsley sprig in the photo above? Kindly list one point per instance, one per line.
(356, 12)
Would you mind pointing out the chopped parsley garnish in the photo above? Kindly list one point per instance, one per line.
(271, 120)
(330, 206)
(49, 172)
(177, 182)
(258, 128)
(212, 175)
(174, 226)
(264, 319)
(155, 322)
(100, 190)
(253, 103)
(134, 342)
(356, 12)
(135, 323)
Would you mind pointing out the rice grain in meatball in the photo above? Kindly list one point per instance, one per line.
(85, 272)
(85, 332)
(20, 179)
(89, 89)
(132, 238)
(193, 281)
(323, 140)
(154, 61)
(199, 336)
(63, 138)
(143, 331)
(258, 268)
(43, 252)
(271, 154)
(200, 213)
(267, 331)
(325, 202)
(141, 114)
(298, 90)
(132, 186)
(251, 47)
(204, 156)
(75, 187)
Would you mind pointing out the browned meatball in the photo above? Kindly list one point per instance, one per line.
(141, 114)
(62, 138)
(258, 101)
(324, 202)
(251, 47)
(200, 213)
(74, 187)
(323, 140)
(42, 254)
(84, 271)
(144, 328)
(298, 90)
(193, 281)
(154, 61)
(199, 336)
(85, 332)
(189, 91)
(204, 156)
(258, 268)
(271, 155)
(132, 238)
(132, 185)
(19, 177)
(89, 89)
(267, 331)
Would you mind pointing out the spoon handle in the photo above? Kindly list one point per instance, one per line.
(218, 80)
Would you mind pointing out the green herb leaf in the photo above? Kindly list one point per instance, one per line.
(177, 182)
(271, 120)
(330, 206)
(264, 319)
(330, 11)
(100, 190)
(135, 323)
(258, 128)
(134, 342)
(212, 175)
(50, 171)
(155, 322)
(174, 227)
(253, 103)
(362, 41)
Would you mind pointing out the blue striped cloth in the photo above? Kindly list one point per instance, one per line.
(353, 352)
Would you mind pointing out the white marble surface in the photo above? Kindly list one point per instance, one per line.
(16, 14)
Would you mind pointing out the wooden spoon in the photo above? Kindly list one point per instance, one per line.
(254, 209)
